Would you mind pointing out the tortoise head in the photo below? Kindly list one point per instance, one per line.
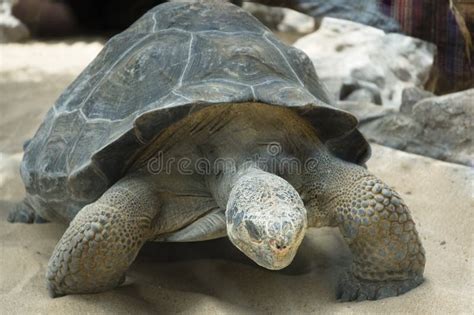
(266, 218)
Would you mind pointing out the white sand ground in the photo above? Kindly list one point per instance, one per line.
(213, 277)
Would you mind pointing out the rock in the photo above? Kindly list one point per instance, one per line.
(374, 75)
(343, 50)
(296, 22)
(364, 111)
(412, 95)
(362, 91)
(11, 29)
(363, 95)
(281, 19)
(438, 127)
(367, 12)
(271, 17)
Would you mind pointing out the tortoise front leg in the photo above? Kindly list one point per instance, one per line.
(103, 240)
(388, 258)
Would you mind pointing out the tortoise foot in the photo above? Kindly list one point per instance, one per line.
(351, 288)
(22, 213)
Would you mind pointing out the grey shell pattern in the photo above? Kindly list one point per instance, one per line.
(175, 60)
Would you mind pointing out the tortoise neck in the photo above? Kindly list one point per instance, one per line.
(221, 184)
(323, 186)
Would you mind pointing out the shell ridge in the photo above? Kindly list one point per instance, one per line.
(75, 141)
(174, 92)
(284, 58)
(45, 141)
(229, 33)
(191, 40)
(226, 81)
(154, 22)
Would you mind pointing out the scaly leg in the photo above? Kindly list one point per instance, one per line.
(388, 258)
(103, 239)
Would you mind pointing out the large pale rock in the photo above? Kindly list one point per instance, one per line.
(271, 17)
(411, 96)
(364, 111)
(11, 29)
(281, 19)
(297, 22)
(343, 50)
(367, 12)
(439, 127)
(362, 91)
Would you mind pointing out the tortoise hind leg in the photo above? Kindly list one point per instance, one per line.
(103, 239)
(22, 212)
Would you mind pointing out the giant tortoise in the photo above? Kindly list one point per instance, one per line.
(196, 123)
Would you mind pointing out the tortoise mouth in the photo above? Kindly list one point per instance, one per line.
(267, 257)
(273, 253)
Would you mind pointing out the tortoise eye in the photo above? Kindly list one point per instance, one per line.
(252, 230)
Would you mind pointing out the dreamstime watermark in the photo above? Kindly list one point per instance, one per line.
(273, 160)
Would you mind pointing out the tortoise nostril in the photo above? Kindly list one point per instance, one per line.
(278, 245)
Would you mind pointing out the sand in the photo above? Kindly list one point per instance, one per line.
(213, 277)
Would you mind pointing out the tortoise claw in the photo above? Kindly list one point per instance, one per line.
(351, 288)
(22, 213)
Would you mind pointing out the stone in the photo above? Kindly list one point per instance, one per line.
(439, 127)
(271, 17)
(360, 91)
(374, 75)
(361, 95)
(364, 111)
(296, 22)
(367, 12)
(343, 50)
(412, 95)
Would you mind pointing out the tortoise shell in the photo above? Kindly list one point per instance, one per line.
(175, 60)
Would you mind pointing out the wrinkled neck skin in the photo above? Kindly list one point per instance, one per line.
(324, 184)
(222, 184)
